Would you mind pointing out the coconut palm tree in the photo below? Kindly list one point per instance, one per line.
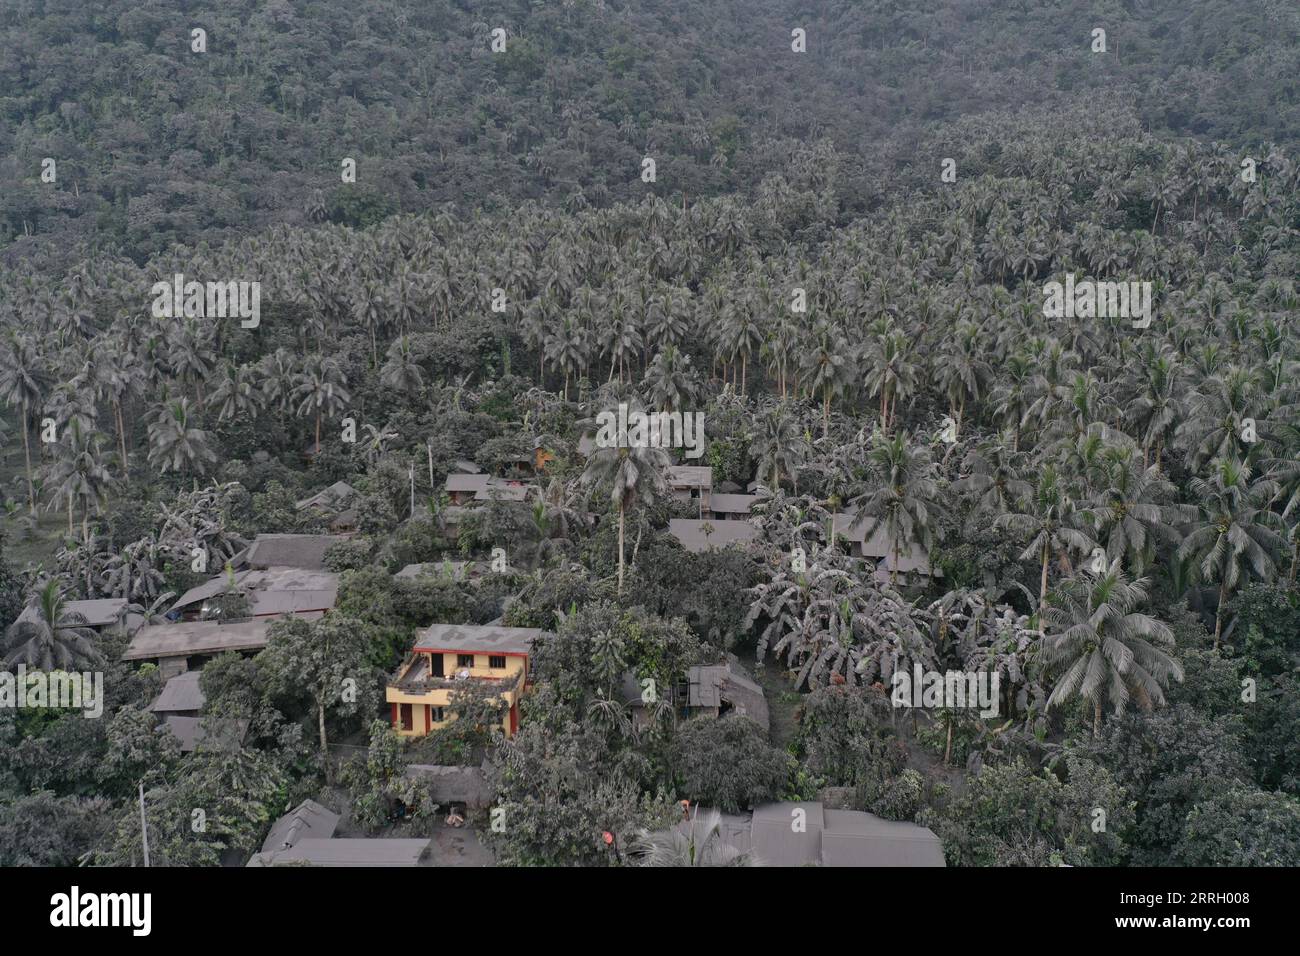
(1105, 650)
(890, 372)
(826, 367)
(1134, 510)
(1236, 532)
(1047, 518)
(78, 477)
(906, 502)
(702, 843)
(49, 636)
(175, 441)
(235, 394)
(321, 390)
(22, 384)
(777, 447)
(634, 475)
(401, 372)
(669, 380)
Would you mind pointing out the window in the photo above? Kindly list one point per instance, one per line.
(497, 662)
(436, 715)
(464, 660)
(405, 716)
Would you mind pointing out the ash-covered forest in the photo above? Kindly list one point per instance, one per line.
(472, 244)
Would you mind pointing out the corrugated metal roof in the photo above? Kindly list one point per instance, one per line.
(732, 504)
(456, 482)
(290, 550)
(183, 638)
(275, 590)
(720, 533)
(345, 852)
(783, 837)
(227, 733)
(855, 838)
(690, 476)
(308, 820)
(474, 638)
(180, 694)
(99, 612)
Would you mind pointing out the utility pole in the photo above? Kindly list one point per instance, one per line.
(144, 826)
(410, 470)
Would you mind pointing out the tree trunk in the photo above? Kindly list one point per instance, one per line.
(1096, 718)
(27, 456)
(121, 434)
(1042, 596)
(621, 512)
(1218, 612)
(324, 744)
(947, 750)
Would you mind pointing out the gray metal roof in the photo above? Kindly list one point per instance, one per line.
(718, 684)
(503, 491)
(332, 497)
(467, 785)
(473, 482)
(910, 558)
(183, 638)
(345, 852)
(855, 838)
(828, 837)
(474, 638)
(290, 550)
(308, 820)
(99, 612)
(689, 476)
(275, 590)
(731, 504)
(179, 695)
(227, 732)
(720, 533)
(782, 837)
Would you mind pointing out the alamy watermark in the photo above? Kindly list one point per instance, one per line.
(236, 299)
(953, 690)
(60, 690)
(638, 429)
(1090, 299)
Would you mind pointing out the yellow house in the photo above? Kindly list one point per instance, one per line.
(448, 656)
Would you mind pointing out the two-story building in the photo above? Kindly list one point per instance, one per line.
(448, 657)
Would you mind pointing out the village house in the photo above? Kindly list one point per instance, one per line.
(461, 488)
(272, 592)
(696, 536)
(187, 645)
(305, 837)
(180, 697)
(447, 657)
(913, 561)
(825, 837)
(711, 690)
(731, 507)
(305, 551)
(221, 734)
(691, 483)
(105, 615)
(335, 505)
